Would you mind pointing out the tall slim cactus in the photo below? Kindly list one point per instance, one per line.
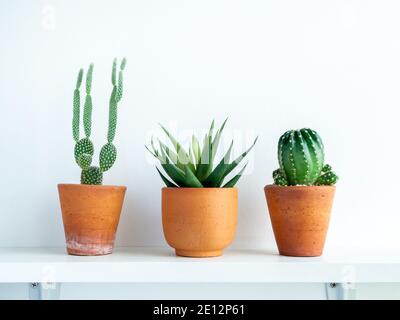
(84, 148)
(301, 160)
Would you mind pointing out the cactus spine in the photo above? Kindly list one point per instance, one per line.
(84, 148)
(301, 160)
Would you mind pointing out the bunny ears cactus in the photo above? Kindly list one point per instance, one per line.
(195, 168)
(84, 148)
(301, 160)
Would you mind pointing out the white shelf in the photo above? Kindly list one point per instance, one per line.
(139, 264)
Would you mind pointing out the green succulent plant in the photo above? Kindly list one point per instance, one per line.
(84, 148)
(301, 160)
(195, 168)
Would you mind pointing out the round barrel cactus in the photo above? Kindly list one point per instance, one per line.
(301, 160)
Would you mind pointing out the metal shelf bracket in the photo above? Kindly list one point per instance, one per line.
(340, 291)
(44, 291)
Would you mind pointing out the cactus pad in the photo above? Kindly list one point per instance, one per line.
(87, 108)
(83, 146)
(108, 154)
(89, 77)
(120, 88)
(79, 79)
(114, 73)
(112, 116)
(92, 175)
(87, 116)
(84, 161)
(84, 149)
(123, 64)
(76, 114)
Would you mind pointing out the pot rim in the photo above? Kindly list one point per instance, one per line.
(91, 186)
(194, 189)
(298, 187)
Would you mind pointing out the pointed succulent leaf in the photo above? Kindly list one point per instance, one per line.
(217, 138)
(178, 147)
(211, 131)
(205, 167)
(177, 175)
(168, 183)
(158, 154)
(167, 152)
(231, 183)
(235, 162)
(192, 159)
(216, 177)
(151, 151)
(196, 150)
(182, 156)
(191, 180)
(153, 147)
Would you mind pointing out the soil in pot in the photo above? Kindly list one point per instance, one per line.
(199, 222)
(300, 218)
(90, 214)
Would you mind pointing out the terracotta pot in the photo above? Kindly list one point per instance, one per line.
(199, 222)
(300, 218)
(90, 215)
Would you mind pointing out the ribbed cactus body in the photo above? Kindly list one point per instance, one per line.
(301, 156)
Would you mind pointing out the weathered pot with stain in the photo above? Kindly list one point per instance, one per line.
(199, 222)
(300, 218)
(90, 215)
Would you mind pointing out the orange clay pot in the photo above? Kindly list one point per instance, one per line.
(199, 222)
(300, 218)
(90, 215)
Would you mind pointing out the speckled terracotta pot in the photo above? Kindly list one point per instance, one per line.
(90, 215)
(300, 218)
(199, 222)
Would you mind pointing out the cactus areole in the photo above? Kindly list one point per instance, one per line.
(301, 160)
(84, 148)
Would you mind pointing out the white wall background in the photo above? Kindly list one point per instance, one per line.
(268, 65)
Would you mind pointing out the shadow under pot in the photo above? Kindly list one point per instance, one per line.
(300, 218)
(199, 222)
(90, 214)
